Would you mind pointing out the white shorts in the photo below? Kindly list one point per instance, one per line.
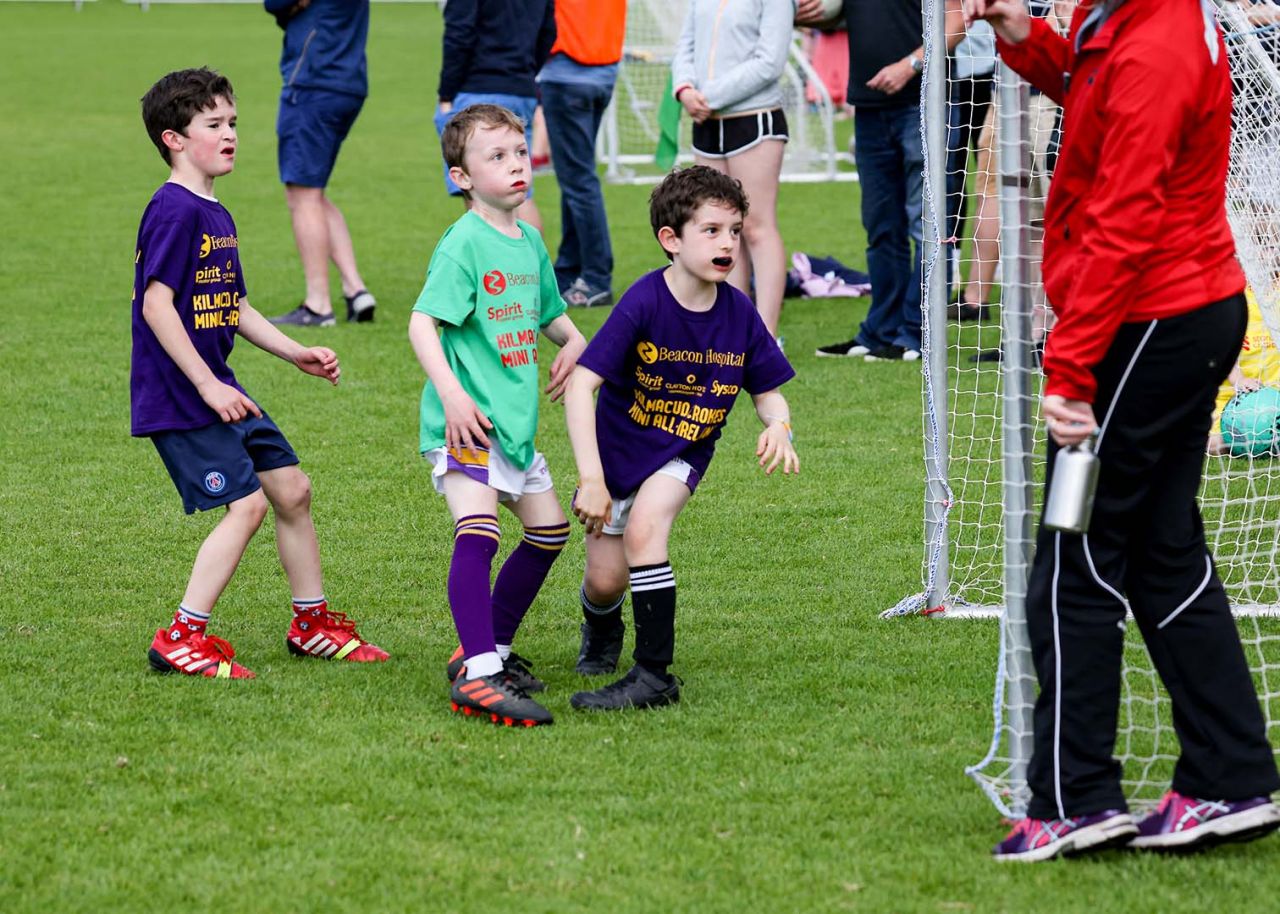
(490, 468)
(621, 510)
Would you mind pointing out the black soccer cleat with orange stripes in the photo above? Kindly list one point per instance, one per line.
(498, 698)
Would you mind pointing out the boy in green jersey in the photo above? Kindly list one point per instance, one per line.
(490, 288)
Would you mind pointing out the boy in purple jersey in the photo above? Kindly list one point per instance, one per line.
(668, 364)
(218, 445)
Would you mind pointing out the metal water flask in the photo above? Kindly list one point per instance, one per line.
(1075, 479)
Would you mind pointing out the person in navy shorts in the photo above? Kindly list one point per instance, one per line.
(219, 446)
(324, 82)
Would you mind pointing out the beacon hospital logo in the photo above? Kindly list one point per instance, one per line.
(210, 243)
(647, 351)
(494, 282)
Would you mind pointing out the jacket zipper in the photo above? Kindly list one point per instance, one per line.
(301, 57)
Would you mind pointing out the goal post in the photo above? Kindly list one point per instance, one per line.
(983, 439)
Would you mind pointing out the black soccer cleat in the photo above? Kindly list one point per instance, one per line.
(499, 699)
(518, 669)
(600, 649)
(638, 689)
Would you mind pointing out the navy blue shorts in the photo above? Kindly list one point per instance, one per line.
(522, 106)
(219, 464)
(311, 127)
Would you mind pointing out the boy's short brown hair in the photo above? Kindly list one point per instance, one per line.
(453, 140)
(680, 193)
(177, 98)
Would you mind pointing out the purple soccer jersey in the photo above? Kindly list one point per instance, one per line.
(671, 376)
(188, 243)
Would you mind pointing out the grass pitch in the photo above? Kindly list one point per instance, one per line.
(815, 763)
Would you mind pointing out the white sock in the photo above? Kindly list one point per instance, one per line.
(485, 664)
(504, 651)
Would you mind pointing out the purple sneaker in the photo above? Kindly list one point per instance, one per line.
(1033, 840)
(1185, 823)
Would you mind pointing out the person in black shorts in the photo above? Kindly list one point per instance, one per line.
(739, 127)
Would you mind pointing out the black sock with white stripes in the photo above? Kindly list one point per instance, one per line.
(653, 601)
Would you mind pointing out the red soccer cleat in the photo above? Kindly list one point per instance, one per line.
(196, 654)
(330, 636)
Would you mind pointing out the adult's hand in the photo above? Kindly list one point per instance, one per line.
(696, 104)
(1009, 18)
(1069, 421)
(892, 78)
(808, 12)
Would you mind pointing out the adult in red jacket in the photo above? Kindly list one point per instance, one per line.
(1140, 267)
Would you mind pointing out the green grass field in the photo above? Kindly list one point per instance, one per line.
(815, 763)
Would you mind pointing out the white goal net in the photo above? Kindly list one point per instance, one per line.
(984, 442)
(631, 127)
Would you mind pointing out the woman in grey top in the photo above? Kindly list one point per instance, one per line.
(728, 61)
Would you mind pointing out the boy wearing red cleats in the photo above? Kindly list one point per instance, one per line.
(220, 448)
(317, 631)
(195, 654)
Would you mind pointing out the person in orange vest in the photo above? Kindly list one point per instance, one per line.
(577, 83)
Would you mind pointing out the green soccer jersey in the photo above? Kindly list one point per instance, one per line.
(492, 294)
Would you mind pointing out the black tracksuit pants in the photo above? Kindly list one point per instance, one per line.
(1146, 552)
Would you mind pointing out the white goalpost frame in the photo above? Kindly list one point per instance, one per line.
(984, 443)
(629, 133)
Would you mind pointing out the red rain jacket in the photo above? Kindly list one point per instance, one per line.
(1136, 223)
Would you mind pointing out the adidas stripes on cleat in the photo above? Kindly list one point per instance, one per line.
(498, 698)
(456, 664)
(197, 654)
(518, 669)
(330, 636)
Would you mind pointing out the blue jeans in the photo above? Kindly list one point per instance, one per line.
(573, 112)
(891, 174)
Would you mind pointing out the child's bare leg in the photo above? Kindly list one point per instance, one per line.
(221, 551)
(604, 587)
(605, 579)
(653, 584)
(653, 599)
(289, 491)
(474, 507)
(545, 532)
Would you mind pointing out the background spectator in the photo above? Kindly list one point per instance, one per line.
(325, 83)
(727, 65)
(886, 58)
(493, 49)
(577, 83)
